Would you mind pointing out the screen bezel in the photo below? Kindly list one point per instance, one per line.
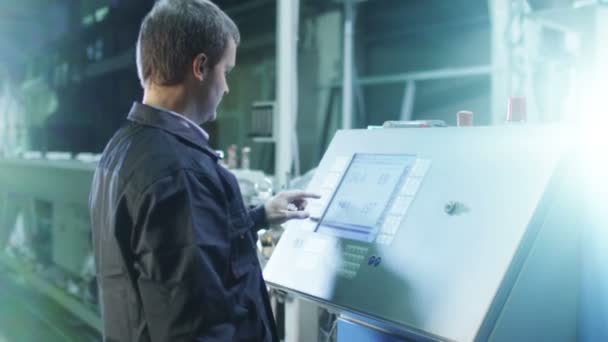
(391, 197)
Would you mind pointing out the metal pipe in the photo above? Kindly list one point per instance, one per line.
(501, 77)
(439, 74)
(409, 96)
(285, 104)
(347, 76)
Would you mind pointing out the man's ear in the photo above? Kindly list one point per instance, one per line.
(200, 66)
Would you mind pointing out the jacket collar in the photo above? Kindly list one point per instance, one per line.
(150, 116)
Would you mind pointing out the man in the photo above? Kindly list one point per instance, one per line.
(173, 241)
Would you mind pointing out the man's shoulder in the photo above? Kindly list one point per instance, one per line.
(141, 155)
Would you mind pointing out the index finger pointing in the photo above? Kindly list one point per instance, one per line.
(296, 195)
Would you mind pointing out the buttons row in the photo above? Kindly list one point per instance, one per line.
(402, 202)
(353, 257)
(347, 274)
(328, 186)
(352, 266)
(420, 168)
(361, 250)
(384, 239)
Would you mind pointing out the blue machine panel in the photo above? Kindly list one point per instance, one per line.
(353, 332)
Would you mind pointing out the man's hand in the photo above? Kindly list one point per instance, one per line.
(287, 205)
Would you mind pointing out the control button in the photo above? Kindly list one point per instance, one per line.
(401, 204)
(347, 274)
(455, 208)
(352, 266)
(420, 168)
(353, 257)
(410, 186)
(391, 224)
(385, 239)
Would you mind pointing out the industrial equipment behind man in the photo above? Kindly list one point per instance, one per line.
(174, 245)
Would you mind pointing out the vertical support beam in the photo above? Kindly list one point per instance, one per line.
(500, 13)
(4, 111)
(327, 35)
(6, 226)
(301, 320)
(286, 102)
(347, 75)
(407, 106)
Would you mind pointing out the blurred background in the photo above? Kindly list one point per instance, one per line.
(68, 79)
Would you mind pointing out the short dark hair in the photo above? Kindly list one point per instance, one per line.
(174, 32)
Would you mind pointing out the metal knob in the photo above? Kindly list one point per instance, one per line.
(450, 207)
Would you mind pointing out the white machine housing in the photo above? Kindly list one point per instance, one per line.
(485, 244)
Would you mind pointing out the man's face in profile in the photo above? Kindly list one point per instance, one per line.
(215, 84)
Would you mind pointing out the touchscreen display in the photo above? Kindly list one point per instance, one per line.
(366, 190)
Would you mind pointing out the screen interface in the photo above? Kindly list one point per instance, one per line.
(366, 190)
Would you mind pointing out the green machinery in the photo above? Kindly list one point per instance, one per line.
(45, 230)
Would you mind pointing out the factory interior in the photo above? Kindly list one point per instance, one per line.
(458, 147)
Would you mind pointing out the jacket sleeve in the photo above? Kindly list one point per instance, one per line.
(258, 216)
(181, 257)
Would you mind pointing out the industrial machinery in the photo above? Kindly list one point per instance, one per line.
(45, 230)
(451, 234)
(45, 233)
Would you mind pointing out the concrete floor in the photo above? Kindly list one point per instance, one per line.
(28, 316)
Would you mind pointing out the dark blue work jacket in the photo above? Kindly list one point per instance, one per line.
(173, 241)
